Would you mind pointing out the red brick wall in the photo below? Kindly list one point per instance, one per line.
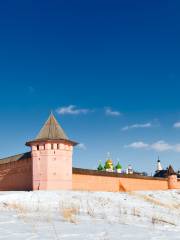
(95, 183)
(135, 184)
(115, 184)
(16, 176)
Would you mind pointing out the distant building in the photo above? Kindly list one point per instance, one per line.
(161, 173)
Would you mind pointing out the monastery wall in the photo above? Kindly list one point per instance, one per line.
(95, 183)
(112, 182)
(178, 184)
(136, 184)
(16, 175)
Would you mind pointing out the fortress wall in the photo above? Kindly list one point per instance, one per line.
(115, 183)
(135, 184)
(178, 184)
(16, 175)
(95, 183)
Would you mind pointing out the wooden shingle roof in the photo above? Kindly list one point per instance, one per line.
(51, 130)
(15, 158)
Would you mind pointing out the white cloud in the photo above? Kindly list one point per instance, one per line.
(82, 146)
(110, 112)
(137, 125)
(177, 147)
(137, 145)
(176, 125)
(162, 146)
(159, 146)
(71, 110)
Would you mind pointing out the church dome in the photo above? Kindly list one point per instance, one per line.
(109, 161)
(109, 164)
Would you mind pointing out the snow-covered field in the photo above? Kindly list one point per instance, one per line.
(90, 215)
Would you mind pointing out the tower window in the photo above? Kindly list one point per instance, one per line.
(51, 146)
(38, 147)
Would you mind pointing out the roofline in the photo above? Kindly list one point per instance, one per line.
(15, 158)
(46, 140)
(91, 172)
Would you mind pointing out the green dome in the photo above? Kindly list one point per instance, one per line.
(118, 166)
(100, 167)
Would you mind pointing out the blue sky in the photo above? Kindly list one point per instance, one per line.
(108, 69)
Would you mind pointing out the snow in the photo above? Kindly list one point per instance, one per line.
(90, 215)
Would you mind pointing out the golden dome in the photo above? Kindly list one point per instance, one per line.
(109, 161)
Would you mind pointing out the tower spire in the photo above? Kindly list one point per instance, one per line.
(51, 131)
(159, 167)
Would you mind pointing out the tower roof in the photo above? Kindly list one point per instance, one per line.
(170, 171)
(51, 131)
